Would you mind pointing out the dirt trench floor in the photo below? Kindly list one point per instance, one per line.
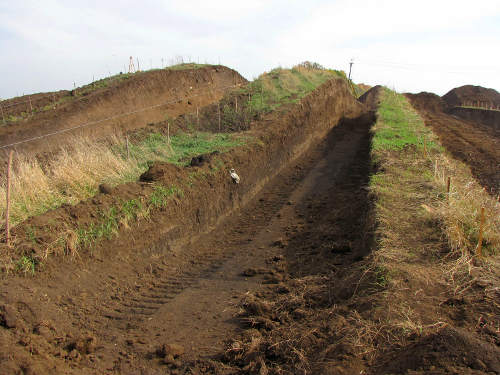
(122, 316)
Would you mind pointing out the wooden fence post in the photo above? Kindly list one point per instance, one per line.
(168, 132)
(448, 184)
(128, 150)
(236, 104)
(480, 240)
(7, 209)
(31, 107)
(3, 116)
(218, 114)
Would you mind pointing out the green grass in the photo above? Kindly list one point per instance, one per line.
(26, 264)
(108, 223)
(283, 86)
(399, 125)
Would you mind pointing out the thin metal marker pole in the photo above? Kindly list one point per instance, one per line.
(7, 209)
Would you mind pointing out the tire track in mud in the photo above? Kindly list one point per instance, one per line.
(213, 265)
(188, 295)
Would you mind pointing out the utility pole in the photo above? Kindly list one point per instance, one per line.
(350, 68)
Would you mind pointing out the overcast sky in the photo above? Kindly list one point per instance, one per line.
(411, 46)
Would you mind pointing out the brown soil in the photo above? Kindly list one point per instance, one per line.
(182, 90)
(371, 97)
(483, 116)
(475, 144)
(257, 278)
(113, 308)
(475, 96)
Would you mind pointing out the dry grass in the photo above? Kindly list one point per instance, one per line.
(426, 240)
(73, 175)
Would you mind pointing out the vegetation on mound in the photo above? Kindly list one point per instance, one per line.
(85, 90)
(420, 280)
(427, 238)
(269, 92)
(284, 86)
(76, 173)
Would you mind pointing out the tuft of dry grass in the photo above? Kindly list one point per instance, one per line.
(73, 175)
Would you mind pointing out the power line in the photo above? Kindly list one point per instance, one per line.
(108, 118)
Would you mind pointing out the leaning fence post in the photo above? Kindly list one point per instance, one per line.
(448, 186)
(128, 150)
(168, 132)
(7, 209)
(480, 240)
(3, 116)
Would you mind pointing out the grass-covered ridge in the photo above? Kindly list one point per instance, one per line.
(283, 86)
(426, 238)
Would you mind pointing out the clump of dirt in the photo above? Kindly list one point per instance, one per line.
(203, 159)
(159, 170)
(447, 351)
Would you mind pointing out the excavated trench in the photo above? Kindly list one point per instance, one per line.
(115, 314)
(309, 219)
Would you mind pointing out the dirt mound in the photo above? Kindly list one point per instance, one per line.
(371, 97)
(451, 350)
(427, 101)
(130, 104)
(473, 96)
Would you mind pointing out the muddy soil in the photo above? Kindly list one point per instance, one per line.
(117, 316)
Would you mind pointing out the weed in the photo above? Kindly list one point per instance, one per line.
(26, 264)
(162, 194)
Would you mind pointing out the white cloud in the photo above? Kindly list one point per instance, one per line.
(50, 44)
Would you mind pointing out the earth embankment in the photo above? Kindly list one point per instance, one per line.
(472, 142)
(133, 103)
(101, 310)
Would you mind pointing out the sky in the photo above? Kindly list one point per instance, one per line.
(410, 46)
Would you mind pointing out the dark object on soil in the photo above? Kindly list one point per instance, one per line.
(280, 243)
(453, 349)
(158, 170)
(8, 317)
(199, 160)
(249, 272)
(105, 188)
(173, 350)
(85, 345)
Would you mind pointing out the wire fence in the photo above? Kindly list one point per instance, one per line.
(95, 122)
